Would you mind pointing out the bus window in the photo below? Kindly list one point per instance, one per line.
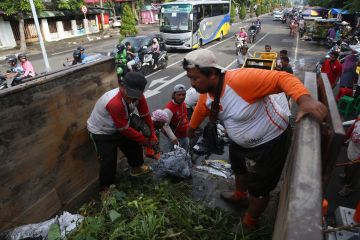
(217, 10)
(207, 10)
(225, 8)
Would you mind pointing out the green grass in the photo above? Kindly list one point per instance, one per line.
(142, 209)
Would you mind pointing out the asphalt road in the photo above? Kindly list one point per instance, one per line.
(303, 56)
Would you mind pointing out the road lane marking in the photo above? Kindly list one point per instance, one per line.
(248, 49)
(296, 50)
(157, 81)
(149, 93)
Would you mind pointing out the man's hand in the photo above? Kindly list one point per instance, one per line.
(309, 105)
(175, 141)
(191, 132)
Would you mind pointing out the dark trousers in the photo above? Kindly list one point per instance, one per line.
(106, 148)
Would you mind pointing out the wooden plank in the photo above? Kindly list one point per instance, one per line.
(299, 212)
(333, 133)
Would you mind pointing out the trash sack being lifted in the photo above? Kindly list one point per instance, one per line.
(66, 221)
(176, 163)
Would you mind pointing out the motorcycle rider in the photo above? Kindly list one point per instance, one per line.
(252, 29)
(82, 52)
(27, 66)
(242, 35)
(77, 57)
(155, 48)
(120, 58)
(130, 56)
(14, 66)
(258, 25)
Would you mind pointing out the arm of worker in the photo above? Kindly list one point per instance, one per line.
(170, 134)
(123, 125)
(198, 116)
(255, 84)
(144, 112)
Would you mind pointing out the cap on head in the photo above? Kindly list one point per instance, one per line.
(201, 58)
(179, 88)
(134, 84)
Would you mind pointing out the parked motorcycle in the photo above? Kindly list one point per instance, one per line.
(252, 36)
(148, 61)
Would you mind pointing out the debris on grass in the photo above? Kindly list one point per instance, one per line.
(139, 209)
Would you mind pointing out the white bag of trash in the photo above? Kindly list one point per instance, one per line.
(176, 163)
(67, 222)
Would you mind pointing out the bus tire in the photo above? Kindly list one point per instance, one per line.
(221, 36)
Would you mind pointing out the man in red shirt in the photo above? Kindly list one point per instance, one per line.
(332, 67)
(111, 127)
(178, 120)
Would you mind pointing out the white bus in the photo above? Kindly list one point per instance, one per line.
(191, 24)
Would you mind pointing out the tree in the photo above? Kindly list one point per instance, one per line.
(110, 4)
(128, 22)
(20, 7)
(258, 11)
(70, 4)
(232, 12)
(242, 13)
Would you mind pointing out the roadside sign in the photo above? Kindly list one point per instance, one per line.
(84, 9)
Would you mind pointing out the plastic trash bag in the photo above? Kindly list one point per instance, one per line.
(176, 163)
(66, 221)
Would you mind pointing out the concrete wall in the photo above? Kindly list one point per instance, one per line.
(7, 39)
(47, 161)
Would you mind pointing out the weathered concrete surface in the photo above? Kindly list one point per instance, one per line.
(47, 161)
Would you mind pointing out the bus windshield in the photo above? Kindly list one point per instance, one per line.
(175, 18)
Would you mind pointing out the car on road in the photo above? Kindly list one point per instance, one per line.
(115, 22)
(143, 41)
(277, 16)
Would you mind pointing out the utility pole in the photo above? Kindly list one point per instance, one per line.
(37, 26)
(102, 15)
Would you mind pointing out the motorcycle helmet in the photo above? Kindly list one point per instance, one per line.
(119, 71)
(11, 59)
(77, 54)
(120, 47)
(81, 48)
(21, 56)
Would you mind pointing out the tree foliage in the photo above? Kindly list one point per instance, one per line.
(232, 13)
(11, 7)
(70, 4)
(128, 22)
(258, 11)
(242, 13)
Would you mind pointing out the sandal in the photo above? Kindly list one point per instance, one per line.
(137, 171)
